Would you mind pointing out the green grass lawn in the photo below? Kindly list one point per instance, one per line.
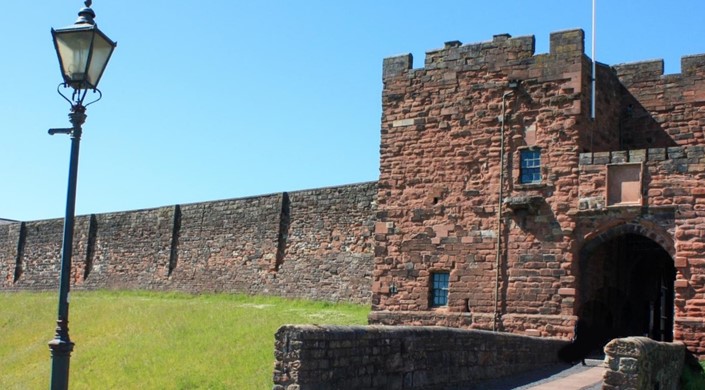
(142, 340)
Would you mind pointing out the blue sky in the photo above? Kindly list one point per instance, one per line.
(208, 100)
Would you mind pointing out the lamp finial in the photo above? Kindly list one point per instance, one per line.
(86, 14)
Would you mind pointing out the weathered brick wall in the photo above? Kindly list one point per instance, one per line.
(608, 113)
(675, 203)
(663, 110)
(666, 111)
(329, 244)
(127, 250)
(642, 363)
(384, 357)
(39, 260)
(227, 245)
(440, 180)
(9, 237)
(313, 244)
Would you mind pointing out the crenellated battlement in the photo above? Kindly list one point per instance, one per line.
(502, 50)
(691, 65)
(505, 51)
(662, 109)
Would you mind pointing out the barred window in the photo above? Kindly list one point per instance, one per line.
(439, 288)
(530, 166)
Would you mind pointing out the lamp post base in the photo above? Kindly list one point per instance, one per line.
(60, 358)
(61, 347)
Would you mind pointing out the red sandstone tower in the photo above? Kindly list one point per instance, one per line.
(503, 205)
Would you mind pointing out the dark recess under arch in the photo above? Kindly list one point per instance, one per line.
(626, 286)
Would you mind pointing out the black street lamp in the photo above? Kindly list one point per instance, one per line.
(83, 52)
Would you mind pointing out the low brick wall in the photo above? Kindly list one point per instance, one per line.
(310, 357)
(642, 363)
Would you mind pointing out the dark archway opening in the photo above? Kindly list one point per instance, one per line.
(626, 289)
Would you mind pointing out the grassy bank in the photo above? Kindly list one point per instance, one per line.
(141, 340)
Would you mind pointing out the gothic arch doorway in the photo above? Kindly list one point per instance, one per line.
(626, 287)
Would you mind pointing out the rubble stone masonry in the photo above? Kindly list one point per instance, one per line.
(451, 198)
(314, 244)
(641, 363)
(390, 358)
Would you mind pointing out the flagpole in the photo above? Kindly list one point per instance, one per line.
(594, 64)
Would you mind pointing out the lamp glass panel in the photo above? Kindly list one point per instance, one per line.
(74, 49)
(102, 49)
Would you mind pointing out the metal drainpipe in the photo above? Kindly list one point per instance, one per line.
(497, 311)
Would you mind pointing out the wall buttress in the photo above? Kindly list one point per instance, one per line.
(175, 232)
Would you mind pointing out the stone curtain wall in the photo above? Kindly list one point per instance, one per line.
(123, 250)
(313, 244)
(330, 246)
(387, 358)
(642, 363)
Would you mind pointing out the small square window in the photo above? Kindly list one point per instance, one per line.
(439, 289)
(530, 166)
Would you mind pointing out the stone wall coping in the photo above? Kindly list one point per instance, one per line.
(244, 198)
(637, 346)
(327, 332)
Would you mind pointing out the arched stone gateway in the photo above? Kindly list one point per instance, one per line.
(626, 285)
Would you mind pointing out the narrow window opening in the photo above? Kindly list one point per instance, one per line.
(530, 166)
(439, 289)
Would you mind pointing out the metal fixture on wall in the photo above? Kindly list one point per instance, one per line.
(84, 52)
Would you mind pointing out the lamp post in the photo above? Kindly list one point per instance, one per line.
(83, 52)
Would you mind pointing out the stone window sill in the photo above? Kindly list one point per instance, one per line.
(533, 186)
(625, 205)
